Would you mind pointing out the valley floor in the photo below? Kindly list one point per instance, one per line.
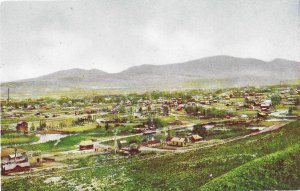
(269, 160)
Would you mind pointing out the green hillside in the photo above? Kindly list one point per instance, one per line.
(279, 170)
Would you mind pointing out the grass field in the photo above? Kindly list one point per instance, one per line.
(79, 129)
(15, 120)
(12, 139)
(66, 143)
(265, 161)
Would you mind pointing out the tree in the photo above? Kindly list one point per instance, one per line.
(32, 128)
(276, 99)
(43, 125)
(171, 133)
(189, 109)
(89, 117)
(131, 110)
(149, 121)
(106, 126)
(159, 123)
(99, 99)
(166, 110)
(200, 130)
(290, 111)
(122, 109)
(140, 110)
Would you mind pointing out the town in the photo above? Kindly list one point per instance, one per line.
(42, 135)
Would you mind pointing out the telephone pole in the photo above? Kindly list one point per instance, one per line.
(7, 95)
(115, 131)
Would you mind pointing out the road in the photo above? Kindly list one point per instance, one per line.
(43, 173)
(184, 149)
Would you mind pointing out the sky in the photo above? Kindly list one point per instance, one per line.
(40, 37)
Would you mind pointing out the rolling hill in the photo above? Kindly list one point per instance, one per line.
(210, 72)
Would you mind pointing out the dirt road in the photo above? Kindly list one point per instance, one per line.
(172, 152)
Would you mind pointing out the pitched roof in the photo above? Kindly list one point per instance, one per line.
(196, 137)
(20, 122)
(14, 165)
(17, 155)
(177, 139)
(86, 143)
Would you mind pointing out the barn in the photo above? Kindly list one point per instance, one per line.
(86, 145)
(22, 127)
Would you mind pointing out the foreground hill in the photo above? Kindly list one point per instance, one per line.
(210, 72)
(268, 161)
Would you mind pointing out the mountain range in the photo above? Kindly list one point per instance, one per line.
(209, 72)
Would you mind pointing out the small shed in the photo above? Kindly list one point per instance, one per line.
(86, 145)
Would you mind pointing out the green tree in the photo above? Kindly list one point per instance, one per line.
(32, 128)
(290, 111)
(106, 126)
(122, 109)
(276, 99)
(200, 130)
(43, 125)
(166, 110)
(158, 123)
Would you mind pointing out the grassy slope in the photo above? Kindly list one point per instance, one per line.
(266, 161)
(192, 170)
(283, 171)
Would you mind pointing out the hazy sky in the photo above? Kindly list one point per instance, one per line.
(42, 37)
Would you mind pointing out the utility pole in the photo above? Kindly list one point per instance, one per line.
(7, 95)
(115, 131)
(15, 153)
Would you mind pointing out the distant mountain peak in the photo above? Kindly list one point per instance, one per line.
(210, 72)
(282, 60)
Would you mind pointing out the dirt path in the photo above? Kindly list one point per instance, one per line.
(69, 169)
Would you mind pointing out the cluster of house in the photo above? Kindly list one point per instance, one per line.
(124, 147)
(151, 141)
(31, 107)
(14, 160)
(13, 115)
(128, 148)
(181, 142)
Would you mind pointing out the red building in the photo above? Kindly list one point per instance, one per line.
(6, 169)
(22, 127)
(86, 145)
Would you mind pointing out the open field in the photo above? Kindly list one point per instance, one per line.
(10, 139)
